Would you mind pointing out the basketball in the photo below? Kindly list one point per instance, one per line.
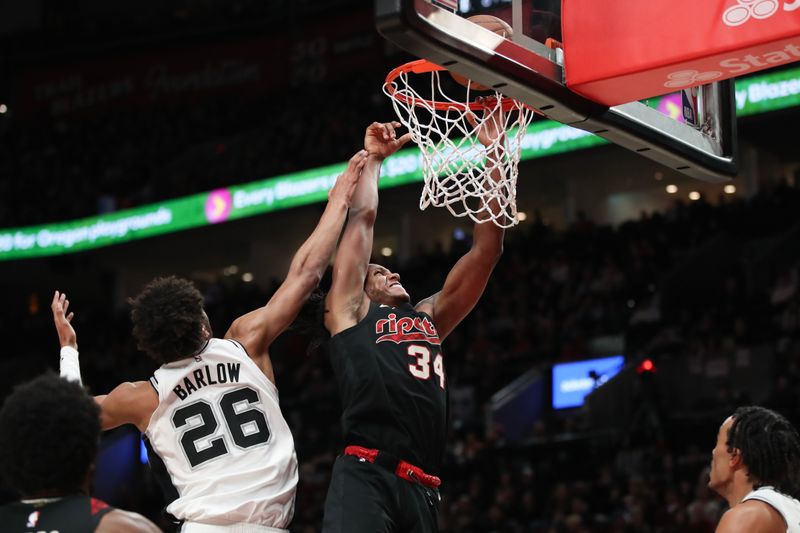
(498, 26)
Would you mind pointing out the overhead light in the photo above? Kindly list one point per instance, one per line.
(386, 251)
(672, 189)
(522, 216)
(694, 195)
(729, 189)
(247, 277)
(3, 109)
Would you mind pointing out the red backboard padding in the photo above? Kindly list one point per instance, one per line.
(618, 51)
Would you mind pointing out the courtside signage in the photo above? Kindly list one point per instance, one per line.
(544, 138)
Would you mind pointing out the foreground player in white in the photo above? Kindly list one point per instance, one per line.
(756, 467)
(210, 414)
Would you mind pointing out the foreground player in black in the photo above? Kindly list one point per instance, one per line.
(389, 365)
(49, 435)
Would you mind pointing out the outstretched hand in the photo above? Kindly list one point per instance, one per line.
(381, 140)
(493, 126)
(346, 182)
(63, 321)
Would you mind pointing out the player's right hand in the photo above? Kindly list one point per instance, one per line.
(346, 183)
(66, 333)
(381, 141)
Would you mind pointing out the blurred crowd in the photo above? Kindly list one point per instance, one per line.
(94, 21)
(551, 297)
(76, 167)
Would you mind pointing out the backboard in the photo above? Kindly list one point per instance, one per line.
(524, 68)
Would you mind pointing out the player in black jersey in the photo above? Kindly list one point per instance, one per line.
(389, 366)
(49, 435)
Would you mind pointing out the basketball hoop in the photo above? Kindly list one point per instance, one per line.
(456, 167)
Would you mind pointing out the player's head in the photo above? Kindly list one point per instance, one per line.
(759, 447)
(383, 286)
(169, 322)
(49, 436)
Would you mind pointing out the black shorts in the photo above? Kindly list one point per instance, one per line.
(366, 498)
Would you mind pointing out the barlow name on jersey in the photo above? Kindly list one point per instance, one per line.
(206, 376)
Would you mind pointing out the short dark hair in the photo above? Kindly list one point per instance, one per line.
(168, 319)
(770, 448)
(49, 436)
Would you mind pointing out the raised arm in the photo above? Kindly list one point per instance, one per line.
(129, 403)
(467, 279)
(258, 329)
(346, 302)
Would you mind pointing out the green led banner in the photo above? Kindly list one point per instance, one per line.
(757, 94)
(217, 206)
(94, 232)
(241, 201)
(767, 92)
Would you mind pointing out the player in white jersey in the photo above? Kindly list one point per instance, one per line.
(210, 413)
(756, 467)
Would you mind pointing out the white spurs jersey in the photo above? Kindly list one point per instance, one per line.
(219, 434)
(787, 507)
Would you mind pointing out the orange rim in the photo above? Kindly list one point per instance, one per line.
(421, 66)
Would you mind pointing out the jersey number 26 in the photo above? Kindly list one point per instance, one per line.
(247, 427)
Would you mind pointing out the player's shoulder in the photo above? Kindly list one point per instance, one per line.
(128, 397)
(428, 305)
(133, 390)
(752, 515)
(119, 521)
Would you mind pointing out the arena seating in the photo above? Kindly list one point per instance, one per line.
(552, 293)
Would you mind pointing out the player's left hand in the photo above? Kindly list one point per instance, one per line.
(381, 140)
(63, 321)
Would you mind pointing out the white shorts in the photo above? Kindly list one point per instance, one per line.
(196, 527)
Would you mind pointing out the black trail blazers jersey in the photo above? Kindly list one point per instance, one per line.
(390, 371)
(70, 514)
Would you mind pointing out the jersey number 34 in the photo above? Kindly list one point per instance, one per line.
(247, 425)
(422, 368)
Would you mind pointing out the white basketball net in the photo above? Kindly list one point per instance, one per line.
(458, 169)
